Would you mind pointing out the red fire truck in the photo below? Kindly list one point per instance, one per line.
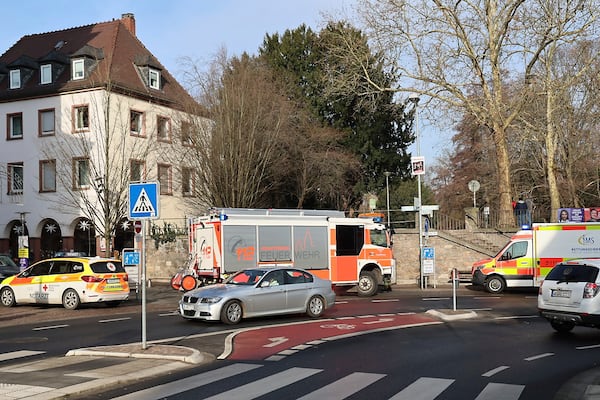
(348, 251)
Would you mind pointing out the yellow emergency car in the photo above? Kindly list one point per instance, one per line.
(70, 281)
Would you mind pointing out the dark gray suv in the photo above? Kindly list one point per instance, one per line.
(7, 267)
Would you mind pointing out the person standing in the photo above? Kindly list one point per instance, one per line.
(521, 212)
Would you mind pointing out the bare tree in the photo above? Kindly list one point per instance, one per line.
(249, 115)
(93, 160)
(461, 56)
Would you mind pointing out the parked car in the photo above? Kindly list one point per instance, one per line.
(67, 281)
(568, 296)
(7, 267)
(259, 292)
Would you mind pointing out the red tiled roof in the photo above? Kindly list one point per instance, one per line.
(119, 50)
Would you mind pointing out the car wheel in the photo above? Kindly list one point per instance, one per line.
(70, 299)
(231, 313)
(495, 284)
(367, 284)
(7, 297)
(315, 307)
(562, 327)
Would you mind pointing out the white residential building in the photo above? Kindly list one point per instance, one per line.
(88, 110)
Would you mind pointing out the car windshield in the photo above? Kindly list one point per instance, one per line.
(246, 277)
(7, 261)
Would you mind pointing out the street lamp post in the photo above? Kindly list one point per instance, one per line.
(413, 98)
(387, 190)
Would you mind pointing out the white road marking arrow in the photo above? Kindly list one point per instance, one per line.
(275, 341)
(379, 321)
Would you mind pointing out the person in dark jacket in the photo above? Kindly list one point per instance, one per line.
(521, 212)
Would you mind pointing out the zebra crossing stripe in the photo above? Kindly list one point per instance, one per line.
(19, 354)
(266, 385)
(344, 387)
(191, 382)
(500, 391)
(423, 389)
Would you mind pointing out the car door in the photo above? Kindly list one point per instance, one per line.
(269, 297)
(298, 285)
(28, 285)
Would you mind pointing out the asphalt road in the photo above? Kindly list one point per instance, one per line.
(506, 347)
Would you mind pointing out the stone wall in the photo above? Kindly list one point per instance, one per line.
(448, 255)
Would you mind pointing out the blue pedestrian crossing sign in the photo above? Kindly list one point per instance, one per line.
(143, 200)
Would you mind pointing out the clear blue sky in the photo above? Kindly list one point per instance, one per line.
(187, 28)
(178, 28)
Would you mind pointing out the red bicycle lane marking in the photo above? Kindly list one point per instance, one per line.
(261, 343)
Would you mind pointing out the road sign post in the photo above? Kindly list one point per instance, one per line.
(143, 205)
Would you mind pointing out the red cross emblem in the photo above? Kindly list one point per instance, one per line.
(45, 287)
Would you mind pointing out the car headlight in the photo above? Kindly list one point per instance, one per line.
(210, 300)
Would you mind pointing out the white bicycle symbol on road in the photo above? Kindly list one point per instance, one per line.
(339, 326)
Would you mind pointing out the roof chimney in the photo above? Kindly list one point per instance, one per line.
(129, 20)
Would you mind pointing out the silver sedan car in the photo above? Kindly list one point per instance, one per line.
(259, 292)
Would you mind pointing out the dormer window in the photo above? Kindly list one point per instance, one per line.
(154, 78)
(78, 68)
(15, 79)
(46, 74)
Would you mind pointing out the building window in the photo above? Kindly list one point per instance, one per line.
(14, 127)
(81, 118)
(46, 74)
(153, 78)
(187, 181)
(46, 122)
(15, 79)
(78, 69)
(136, 119)
(137, 170)
(164, 179)
(15, 178)
(81, 173)
(48, 176)
(163, 129)
(186, 134)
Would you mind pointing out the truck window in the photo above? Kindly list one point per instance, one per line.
(349, 239)
(378, 237)
(275, 243)
(311, 247)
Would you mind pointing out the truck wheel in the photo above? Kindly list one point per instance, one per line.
(231, 313)
(7, 297)
(562, 327)
(315, 307)
(367, 284)
(495, 284)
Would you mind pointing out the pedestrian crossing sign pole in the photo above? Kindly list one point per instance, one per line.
(143, 205)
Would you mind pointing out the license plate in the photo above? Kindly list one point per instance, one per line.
(112, 281)
(560, 293)
(187, 306)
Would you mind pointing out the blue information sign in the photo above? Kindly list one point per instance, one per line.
(131, 258)
(143, 200)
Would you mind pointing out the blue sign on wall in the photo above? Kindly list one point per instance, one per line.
(143, 200)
